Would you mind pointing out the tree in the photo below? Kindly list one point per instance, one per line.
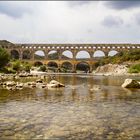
(4, 58)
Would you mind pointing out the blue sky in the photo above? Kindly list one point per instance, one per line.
(70, 22)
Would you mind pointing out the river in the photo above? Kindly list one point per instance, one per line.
(89, 107)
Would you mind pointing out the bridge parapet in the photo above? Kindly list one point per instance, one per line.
(72, 47)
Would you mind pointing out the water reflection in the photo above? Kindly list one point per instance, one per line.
(87, 108)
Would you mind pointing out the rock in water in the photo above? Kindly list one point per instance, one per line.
(19, 86)
(10, 83)
(55, 84)
(131, 83)
(39, 81)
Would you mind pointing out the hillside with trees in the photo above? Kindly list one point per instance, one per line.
(131, 58)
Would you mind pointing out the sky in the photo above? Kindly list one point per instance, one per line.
(70, 21)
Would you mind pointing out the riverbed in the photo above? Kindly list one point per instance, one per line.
(89, 107)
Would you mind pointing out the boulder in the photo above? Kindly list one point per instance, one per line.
(10, 88)
(55, 84)
(131, 83)
(23, 75)
(41, 85)
(19, 85)
(39, 81)
(10, 83)
(31, 84)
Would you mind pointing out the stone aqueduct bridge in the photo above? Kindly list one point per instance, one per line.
(22, 49)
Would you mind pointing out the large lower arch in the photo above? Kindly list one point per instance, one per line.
(38, 64)
(99, 53)
(26, 54)
(39, 55)
(14, 54)
(83, 66)
(82, 55)
(53, 55)
(66, 67)
(67, 55)
(112, 53)
(53, 66)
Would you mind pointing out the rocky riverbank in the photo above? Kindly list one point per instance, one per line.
(13, 81)
(114, 70)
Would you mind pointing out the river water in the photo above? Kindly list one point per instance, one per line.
(89, 107)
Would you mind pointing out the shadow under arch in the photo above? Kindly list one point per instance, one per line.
(38, 63)
(26, 54)
(83, 67)
(67, 54)
(67, 67)
(39, 55)
(82, 54)
(53, 66)
(14, 54)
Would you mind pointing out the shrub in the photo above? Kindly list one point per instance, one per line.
(8, 70)
(16, 65)
(134, 68)
(4, 58)
(27, 67)
(43, 68)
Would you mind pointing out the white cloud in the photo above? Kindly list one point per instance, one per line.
(66, 22)
(112, 21)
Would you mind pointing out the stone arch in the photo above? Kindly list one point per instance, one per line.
(112, 52)
(14, 54)
(82, 54)
(39, 54)
(53, 66)
(67, 66)
(53, 54)
(26, 54)
(83, 66)
(99, 53)
(38, 63)
(67, 54)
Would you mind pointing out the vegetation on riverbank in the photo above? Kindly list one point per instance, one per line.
(134, 68)
(131, 58)
(4, 58)
(16, 66)
(127, 56)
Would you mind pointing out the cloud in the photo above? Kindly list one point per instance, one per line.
(121, 5)
(137, 18)
(78, 3)
(112, 21)
(14, 9)
(58, 22)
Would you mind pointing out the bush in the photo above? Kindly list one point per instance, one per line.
(134, 68)
(133, 55)
(4, 58)
(43, 68)
(16, 65)
(27, 67)
(8, 70)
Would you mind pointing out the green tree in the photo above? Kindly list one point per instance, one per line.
(4, 58)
